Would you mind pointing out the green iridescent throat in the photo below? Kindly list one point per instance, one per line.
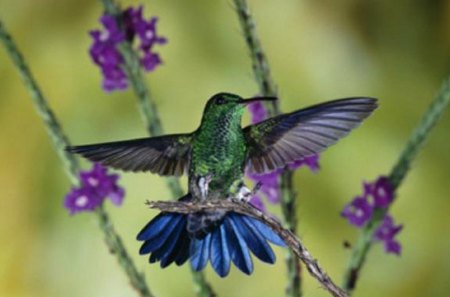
(219, 148)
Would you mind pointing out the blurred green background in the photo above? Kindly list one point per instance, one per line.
(397, 51)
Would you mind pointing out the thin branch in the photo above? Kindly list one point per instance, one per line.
(267, 87)
(244, 208)
(397, 175)
(150, 115)
(60, 141)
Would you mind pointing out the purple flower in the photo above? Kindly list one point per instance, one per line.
(81, 199)
(104, 51)
(386, 233)
(358, 211)
(269, 185)
(378, 194)
(257, 202)
(105, 54)
(95, 186)
(270, 182)
(113, 33)
(150, 61)
(132, 18)
(381, 193)
(258, 112)
(105, 185)
(312, 162)
(146, 30)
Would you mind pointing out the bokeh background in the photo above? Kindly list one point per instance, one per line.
(397, 51)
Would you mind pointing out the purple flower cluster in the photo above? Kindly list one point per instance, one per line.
(96, 186)
(270, 182)
(104, 51)
(360, 210)
(386, 233)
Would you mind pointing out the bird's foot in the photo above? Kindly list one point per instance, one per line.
(244, 194)
(203, 184)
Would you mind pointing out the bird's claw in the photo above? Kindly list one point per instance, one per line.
(203, 183)
(245, 194)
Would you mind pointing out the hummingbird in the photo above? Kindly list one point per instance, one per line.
(215, 157)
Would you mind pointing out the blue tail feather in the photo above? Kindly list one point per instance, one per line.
(265, 231)
(169, 258)
(155, 226)
(238, 247)
(219, 253)
(255, 241)
(157, 240)
(167, 240)
(200, 252)
(197, 256)
(170, 243)
(184, 251)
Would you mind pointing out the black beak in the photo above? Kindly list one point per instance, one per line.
(255, 99)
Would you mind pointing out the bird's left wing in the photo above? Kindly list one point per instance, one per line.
(164, 155)
(289, 137)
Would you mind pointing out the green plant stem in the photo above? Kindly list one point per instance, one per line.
(60, 141)
(58, 138)
(396, 177)
(146, 105)
(152, 121)
(116, 247)
(289, 207)
(267, 87)
(260, 65)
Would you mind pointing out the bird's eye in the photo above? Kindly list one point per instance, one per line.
(220, 100)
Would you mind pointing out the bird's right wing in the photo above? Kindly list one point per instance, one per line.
(165, 155)
(277, 141)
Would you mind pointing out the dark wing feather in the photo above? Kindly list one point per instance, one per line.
(289, 137)
(164, 155)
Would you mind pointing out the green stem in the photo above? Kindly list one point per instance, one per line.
(267, 87)
(60, 141)
(419, 135)
(396, 177)
(152, 121)
(201, 286)
(260, 65)
(289, 207)
(117, 248)
(146, 105)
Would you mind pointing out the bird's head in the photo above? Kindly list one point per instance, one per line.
(228, 105)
